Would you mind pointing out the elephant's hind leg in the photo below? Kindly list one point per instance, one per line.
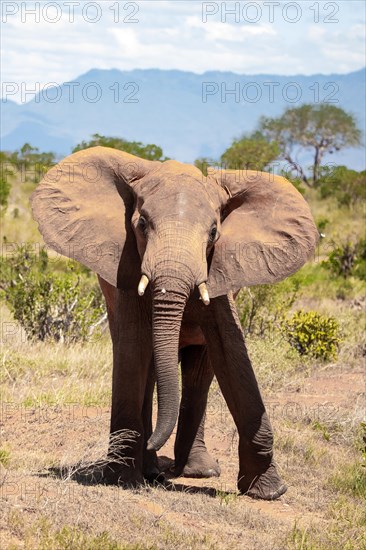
(191, 456)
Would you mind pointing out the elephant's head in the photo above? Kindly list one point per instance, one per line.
(138, 222)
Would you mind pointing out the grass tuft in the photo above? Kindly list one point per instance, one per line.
(351, 479)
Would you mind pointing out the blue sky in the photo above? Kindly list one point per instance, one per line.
(62, 40)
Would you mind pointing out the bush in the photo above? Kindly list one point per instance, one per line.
(59, 307)
(321, 224)
(347, 186)
(4, 193)
(311, 333)
(262, 308)
(5, 187)
(344, 290)
(296, 181)
(54, 307)
(348, 259)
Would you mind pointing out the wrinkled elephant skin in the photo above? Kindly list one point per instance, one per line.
(170, 247)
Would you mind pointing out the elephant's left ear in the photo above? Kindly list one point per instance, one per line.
(267, 233)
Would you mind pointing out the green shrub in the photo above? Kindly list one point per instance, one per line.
(348, 259)
(262, 308)
(54, 307)
(5, 187)
(62, 307)
(347, 186)
(4, 193)
(344, 289)
(20, 261)
(311, 333)
(321, 224)
(296, 181)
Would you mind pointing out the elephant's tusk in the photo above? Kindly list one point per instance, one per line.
(144, 281)
(204, 293)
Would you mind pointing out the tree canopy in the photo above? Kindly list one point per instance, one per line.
(251, 152)
(148, 151)
(320, 128)
(28, 155)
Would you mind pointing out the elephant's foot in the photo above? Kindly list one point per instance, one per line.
(128, 477)
(265, 486)
(152, 472)
(200, 464)
(155, 476)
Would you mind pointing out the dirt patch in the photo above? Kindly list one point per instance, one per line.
(199, 513)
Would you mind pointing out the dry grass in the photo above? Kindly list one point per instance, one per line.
(17, 222)
(55, 421)
(342, 222)
(55, 418)
(37, 374)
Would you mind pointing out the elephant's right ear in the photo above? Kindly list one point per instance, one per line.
(83, 206)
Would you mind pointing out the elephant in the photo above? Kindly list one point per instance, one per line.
(176, 246)
(192, 459)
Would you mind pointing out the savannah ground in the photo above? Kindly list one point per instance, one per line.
(55, 418)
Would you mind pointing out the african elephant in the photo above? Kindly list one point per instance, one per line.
(192, 459)
(177, 245)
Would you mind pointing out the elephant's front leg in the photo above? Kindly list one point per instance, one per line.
(191, 456)
(151, 468)
(258, 476)
(132, 353)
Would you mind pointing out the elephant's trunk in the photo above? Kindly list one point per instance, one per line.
(170, 295)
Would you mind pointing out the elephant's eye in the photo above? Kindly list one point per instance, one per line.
(142, 224)
(213, 234)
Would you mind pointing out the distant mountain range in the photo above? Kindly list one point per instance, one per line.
(187, 114)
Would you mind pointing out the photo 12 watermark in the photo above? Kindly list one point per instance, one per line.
(270, 12)
(70, 92)
(270, 92)
(70, 12)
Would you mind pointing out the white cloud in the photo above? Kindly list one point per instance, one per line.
(316, 33)
(218, 31)
(336, 47)
(171, 35)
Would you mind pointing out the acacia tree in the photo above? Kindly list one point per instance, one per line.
(319, 128)
(148, 151)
